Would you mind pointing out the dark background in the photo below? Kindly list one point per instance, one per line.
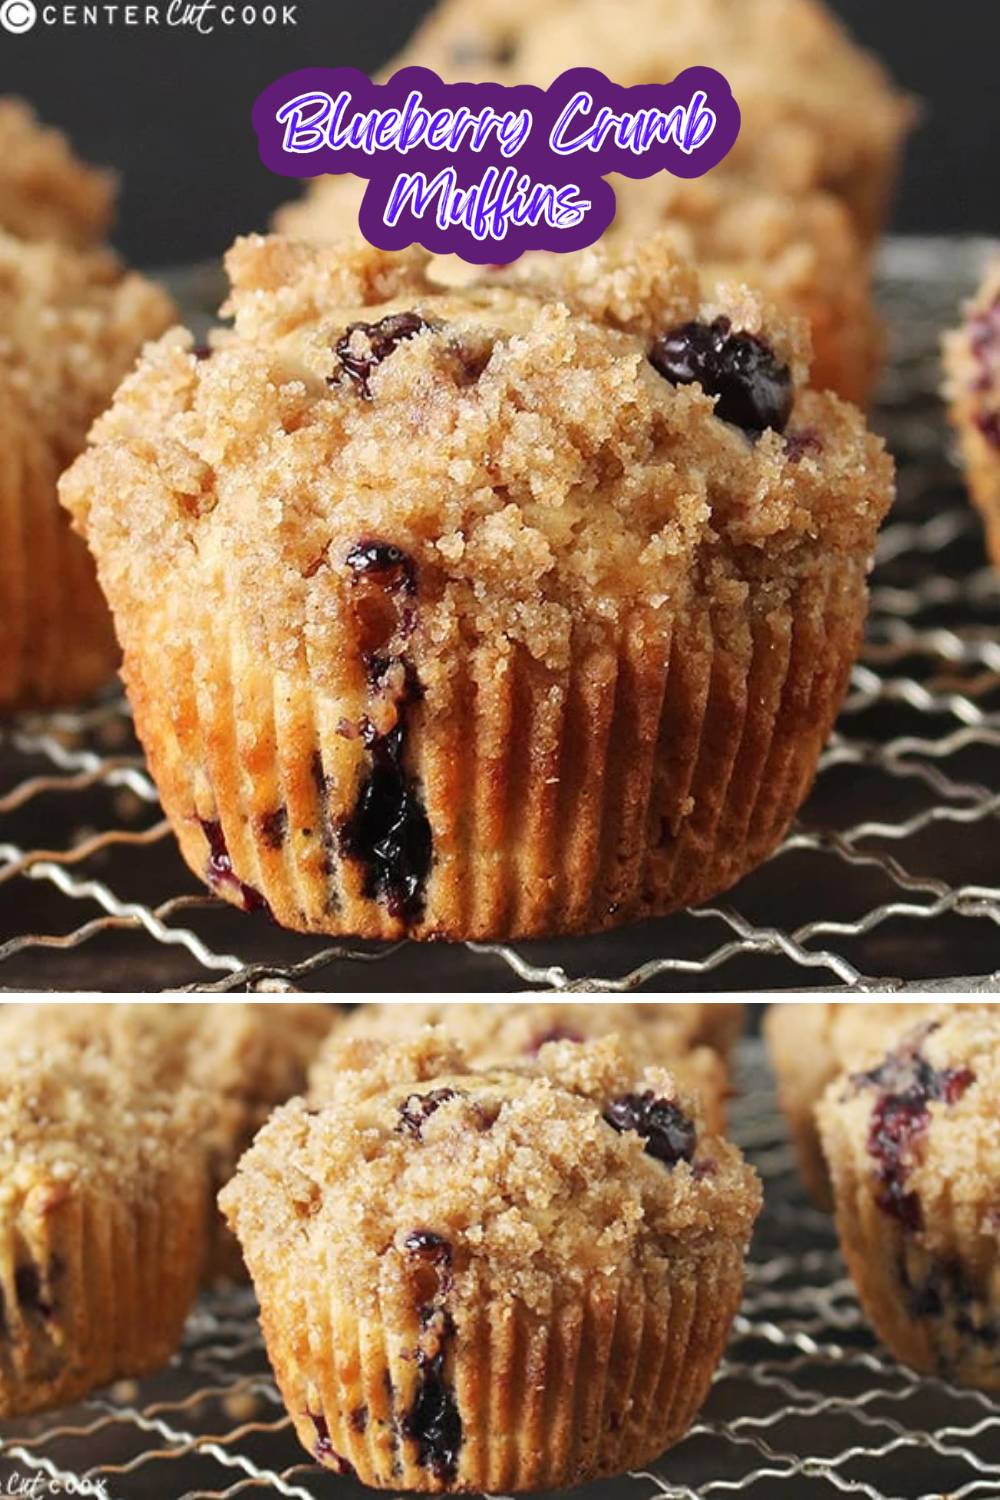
(171, 109)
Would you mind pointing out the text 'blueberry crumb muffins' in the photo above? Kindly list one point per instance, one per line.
(680, 1036)
(492, 1280)
(913, 1146)
(46, 192)
(499, 612)
(71, 325)
(972, 387)
(810, 1043)
(103, 1183)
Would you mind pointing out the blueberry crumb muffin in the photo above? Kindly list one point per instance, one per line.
(47, 193)
(683, 1037)
(810, 1043)
(103, 1183)
(496, 612)
(914, 1156)
(243, 1057)
(972, 387)
(71, 325)
(492, 1279)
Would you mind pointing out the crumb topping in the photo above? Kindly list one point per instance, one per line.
(46, 192)
(519, 447)
(516, 1170)
(503, 1032)
(71, 325)
(71, 1115)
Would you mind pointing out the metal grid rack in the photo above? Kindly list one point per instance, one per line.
(805, 1405)
(887, 879)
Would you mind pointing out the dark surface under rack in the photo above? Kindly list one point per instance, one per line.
(889, 878)
(805, 1406)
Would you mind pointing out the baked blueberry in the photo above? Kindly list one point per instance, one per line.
(753, 388)
(365, 345)
(669, 1134)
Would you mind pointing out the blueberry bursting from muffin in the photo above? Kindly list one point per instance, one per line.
(433, 1421)
(389, 834)
(910, 1143)
(907, 1085)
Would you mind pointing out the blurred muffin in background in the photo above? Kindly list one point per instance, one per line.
(71, 325)
(46, 192)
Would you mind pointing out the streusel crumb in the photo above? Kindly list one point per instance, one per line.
(506, 1032)
(46, 192)
(71, 325)
(72, 1116)
(549, 468)
(518, 1169)
(817, 111)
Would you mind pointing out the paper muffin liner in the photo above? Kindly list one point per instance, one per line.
(496, 1397)
(93, 1288)
(653, 771)
(57, 643)
(937, 1311)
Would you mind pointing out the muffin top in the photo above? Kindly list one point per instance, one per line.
(243, 1057)
(516, 448)
(789, 63)
(72, 1116)
(509, 1032)
(829, 1036)
(926, 1112)
(532, 1178)
(790, 245)
(972, 359)
(71, 325)
(47, 193)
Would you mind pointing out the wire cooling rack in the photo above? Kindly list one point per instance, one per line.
(805, 1405)
(889, 877)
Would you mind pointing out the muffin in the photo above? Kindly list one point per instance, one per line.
(914, 1156)
(800, 250)
(790, 64)
(492, 1279)
(243, 1058)
(510, 1032)
(47, 193)
(71, 325)
(496, 612)
(972, 387)
(103, 1182)
(810, 1043)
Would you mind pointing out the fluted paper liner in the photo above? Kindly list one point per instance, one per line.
(93, 1289)
(607, 1380)
(664, 762)
(57, 643)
